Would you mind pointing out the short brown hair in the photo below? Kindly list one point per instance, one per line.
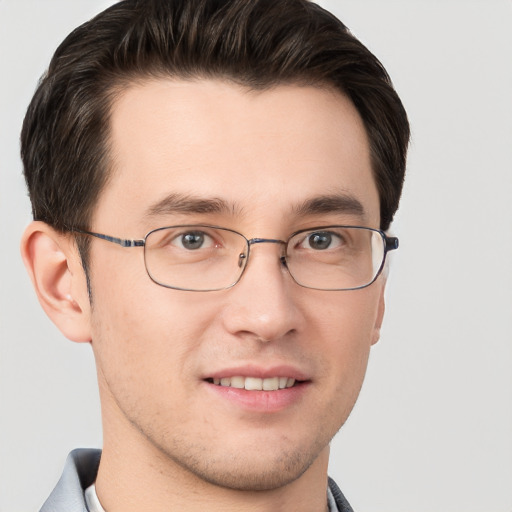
(256, 43)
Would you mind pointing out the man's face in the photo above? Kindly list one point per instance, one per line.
(262, 156)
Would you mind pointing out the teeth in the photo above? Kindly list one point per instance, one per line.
(237, 382)
(255, 384)
(271, 384)
(252, 383)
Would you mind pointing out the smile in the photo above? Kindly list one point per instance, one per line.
(254, 383)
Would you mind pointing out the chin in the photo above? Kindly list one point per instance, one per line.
(253, 469)
(250, 478)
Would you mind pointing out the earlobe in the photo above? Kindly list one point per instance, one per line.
(381, 307)
(53, 264)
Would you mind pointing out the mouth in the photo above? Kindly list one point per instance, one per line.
(259, 390)
(255, 383)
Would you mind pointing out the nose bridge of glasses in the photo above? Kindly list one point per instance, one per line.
(253, 241)
(282, 243)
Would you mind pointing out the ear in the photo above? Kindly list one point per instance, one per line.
(381, 307)
(55, 268)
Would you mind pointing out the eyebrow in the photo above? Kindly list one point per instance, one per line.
(177, 203)
(332, 203)
(180, 203)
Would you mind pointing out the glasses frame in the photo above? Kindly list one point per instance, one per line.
(390, 243)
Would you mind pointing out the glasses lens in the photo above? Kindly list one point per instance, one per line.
(336, 257)
(196, 258)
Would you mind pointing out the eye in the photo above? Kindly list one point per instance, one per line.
(321, 240)
(193, 240)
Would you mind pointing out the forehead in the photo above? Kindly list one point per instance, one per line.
(255, 150)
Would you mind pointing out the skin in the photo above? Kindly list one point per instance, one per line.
(170, 441)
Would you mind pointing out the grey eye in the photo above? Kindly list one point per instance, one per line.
(319, 241)
(191, 241)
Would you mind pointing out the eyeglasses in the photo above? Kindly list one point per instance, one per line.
(210, 258)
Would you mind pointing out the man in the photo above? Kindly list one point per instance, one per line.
(211, 183)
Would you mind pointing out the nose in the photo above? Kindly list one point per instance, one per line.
(263, 304)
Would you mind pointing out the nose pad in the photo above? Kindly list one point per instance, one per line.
(242, 258)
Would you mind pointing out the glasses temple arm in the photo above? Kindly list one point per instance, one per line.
(119, 241)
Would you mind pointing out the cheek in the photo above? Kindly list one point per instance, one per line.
(349, 318)
(152, 330)
(348, 325)
(144, 353)
(140, 328)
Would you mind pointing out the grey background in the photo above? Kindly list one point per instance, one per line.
(432, 431)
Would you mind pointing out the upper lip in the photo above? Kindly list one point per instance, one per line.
(261, 372)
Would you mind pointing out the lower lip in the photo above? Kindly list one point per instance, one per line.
(260, 401)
